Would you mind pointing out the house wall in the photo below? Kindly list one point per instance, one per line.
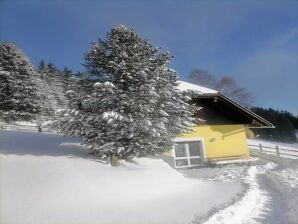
(221, 141)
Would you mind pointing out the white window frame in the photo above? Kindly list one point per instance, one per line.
(188, 157)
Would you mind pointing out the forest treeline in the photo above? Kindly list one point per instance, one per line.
(28, 93)
(286, 125)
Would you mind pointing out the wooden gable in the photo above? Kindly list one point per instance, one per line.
(218, 109)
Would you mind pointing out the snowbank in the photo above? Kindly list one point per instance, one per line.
(47, 179)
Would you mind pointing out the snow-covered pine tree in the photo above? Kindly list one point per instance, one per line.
(19, 90)
(66, 73)
(42, 68)
(134, 108)
(55, 82)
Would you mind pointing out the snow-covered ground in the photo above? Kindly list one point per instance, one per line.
(46, 178)
(288, 176)
(252, 205)
(291, 149)
(271, 195)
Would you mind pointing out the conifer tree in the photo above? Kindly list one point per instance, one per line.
(19, 90)
(66, 73)
(41, 66)
(55, 85)
(282, 120)
(134, 107)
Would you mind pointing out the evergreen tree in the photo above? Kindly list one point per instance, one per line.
(292, 118)
(134, 107)
(19, 90)
(41, 65)
(55, 85)
(66, 73)
(284, 127)
(51, 67)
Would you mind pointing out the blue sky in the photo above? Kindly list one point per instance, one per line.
(256, 42)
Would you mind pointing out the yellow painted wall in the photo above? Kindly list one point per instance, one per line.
(249, 133)
(221, 141)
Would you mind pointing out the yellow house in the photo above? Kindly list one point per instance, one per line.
(221, 135)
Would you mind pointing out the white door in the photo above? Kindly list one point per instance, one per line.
(188, 154)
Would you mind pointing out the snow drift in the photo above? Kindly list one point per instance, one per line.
(46, 179)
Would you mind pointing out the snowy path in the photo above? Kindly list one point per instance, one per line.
(272, 196)
(251, 207)
(284, 199)
(45, 179)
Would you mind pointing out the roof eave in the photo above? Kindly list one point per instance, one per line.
(263, 122)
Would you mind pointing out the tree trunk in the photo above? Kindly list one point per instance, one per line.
(114, 160)
(39, 128)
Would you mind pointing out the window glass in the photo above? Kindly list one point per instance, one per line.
(194, 149)
(195, 161)
(181, 162)
(180, 150)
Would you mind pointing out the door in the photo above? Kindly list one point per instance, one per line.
(188, 154)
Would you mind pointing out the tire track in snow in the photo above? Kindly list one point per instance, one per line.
(252, 205)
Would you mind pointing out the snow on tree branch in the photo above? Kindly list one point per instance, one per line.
(133, 107)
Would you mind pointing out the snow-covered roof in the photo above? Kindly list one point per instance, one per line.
(256, 120)
(184, 86)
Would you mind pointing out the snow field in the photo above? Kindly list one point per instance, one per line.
(45, 178)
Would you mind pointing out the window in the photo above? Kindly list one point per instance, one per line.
(180, 150)
(194, 149)
(188, 154)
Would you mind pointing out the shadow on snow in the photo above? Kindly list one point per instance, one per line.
(42, 144)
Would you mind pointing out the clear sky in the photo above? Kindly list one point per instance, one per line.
(256, 42)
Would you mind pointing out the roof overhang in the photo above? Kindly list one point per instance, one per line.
(256, 120)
